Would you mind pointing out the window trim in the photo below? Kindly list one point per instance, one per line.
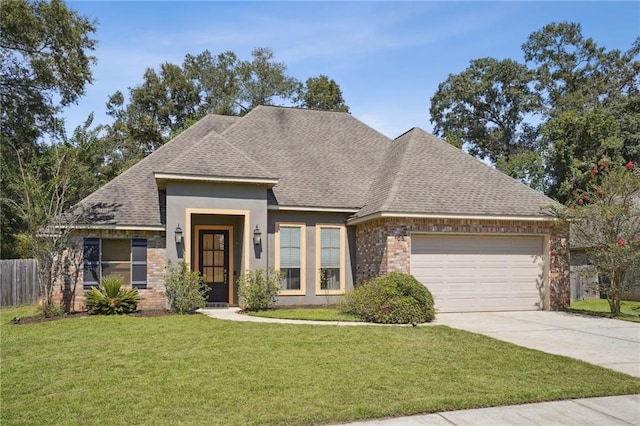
(303, 256)
(343, 270)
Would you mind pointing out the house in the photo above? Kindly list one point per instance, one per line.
(585, 280)
(330, 202)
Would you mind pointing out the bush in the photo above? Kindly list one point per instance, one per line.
(258, 290)
(393, 299)
(50, 310)
(111, 298)
(185, 289)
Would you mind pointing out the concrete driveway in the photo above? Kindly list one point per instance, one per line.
(605, 342)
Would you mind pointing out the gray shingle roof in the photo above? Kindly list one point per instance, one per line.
(426, 175)
(320, 159)
(214, 156)
(133, 198)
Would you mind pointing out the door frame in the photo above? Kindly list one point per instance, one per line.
(196, 252)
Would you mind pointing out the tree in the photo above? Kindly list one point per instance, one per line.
(540, 121)
(43, 189)
(322, 93)
(217, 80)
(46, 65)
(589, 102)
(263, 81)
(172, 98)
(605, 220)
(484, 108)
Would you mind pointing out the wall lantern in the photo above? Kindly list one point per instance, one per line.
(257, 236)
(178, 233)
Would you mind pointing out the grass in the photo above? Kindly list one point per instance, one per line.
(197, 370)
(311, 314)
(629, 310)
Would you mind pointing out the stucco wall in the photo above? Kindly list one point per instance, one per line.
(217, 198)
(311, 219)
(384, 245)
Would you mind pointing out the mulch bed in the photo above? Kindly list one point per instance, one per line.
(38, 318)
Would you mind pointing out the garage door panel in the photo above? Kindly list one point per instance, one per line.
(479, 273)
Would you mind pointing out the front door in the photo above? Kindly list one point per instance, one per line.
(213, 263)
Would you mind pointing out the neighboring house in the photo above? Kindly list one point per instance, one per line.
(585, 280)
(332, 203)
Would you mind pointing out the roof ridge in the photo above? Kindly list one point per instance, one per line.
(401, 167)
(246, 156)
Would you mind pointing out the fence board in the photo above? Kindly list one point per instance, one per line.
(18, 282)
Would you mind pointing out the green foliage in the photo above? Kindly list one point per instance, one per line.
(322, 93)
(571, 101)
(297, 375)
(393, 299)
(173, 97)
(605, 221)
(45, 66)
(185, 289)
(258, 290)
(484, 106)
(111, 298)
(49, 310)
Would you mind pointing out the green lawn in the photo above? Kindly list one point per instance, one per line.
(630, 311)
(311, 314)
(197, 370)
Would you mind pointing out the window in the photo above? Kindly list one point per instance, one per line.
(124, 257)
(330, 259)
(289, 256)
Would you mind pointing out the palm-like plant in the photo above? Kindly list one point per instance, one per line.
(110, 298)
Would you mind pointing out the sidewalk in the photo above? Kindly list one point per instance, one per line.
(609, 410)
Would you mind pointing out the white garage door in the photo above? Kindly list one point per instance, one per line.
(480, 273)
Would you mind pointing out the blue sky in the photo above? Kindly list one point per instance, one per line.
(387, 57)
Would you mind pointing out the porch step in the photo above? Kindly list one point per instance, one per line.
(217, 305)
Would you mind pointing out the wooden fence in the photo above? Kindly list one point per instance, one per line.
(18, 282)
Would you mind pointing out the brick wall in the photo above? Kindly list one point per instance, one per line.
(384, 245)
(150, 298)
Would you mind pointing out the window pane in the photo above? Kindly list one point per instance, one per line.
(139, 250)
(219, 258)
(123, 270)
(91, 250)
(330, 279)
(139, 273)
(330, 248)
(116, 251)
(218, 275)
(291, 279)
(208, 273)
(290, 247)
(91, 274)
(290, 257)
(207, 258)
(207, 241)
(218, 243)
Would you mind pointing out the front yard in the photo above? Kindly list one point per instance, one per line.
(195, 370)
(629, 310)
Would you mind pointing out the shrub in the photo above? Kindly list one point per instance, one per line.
(185, 289)
(258, 290)
(393, 299)
(49, 310)
(111, 298)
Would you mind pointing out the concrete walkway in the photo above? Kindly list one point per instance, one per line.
(610, 411)
(609, 343)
